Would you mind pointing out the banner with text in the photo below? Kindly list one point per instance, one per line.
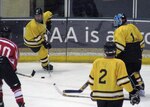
(76, 33)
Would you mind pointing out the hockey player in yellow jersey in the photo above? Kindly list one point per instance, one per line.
(36, 37)
(130, 44)
(107, 79)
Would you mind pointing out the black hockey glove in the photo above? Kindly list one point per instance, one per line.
(46, 44)
(134, 97)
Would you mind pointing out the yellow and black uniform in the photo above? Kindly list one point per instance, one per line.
(129, 39)
(130, 43)
(107, 79)
(34, 37)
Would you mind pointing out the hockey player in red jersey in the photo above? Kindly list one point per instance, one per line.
(8, 66)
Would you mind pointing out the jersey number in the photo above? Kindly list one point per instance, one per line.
(132, 37)
(101, 79)
(5, 51)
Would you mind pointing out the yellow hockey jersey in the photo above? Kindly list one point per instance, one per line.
(34, 31)
(128, 33)
(107, 79)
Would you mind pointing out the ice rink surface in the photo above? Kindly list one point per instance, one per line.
(40, 92)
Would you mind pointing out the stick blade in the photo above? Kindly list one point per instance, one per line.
(33, 73)
(72, 91)
(66, 95)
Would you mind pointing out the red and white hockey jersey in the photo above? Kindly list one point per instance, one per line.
(10, 50)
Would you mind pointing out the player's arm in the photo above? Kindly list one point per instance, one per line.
(91, 80)
(139, 35)
(124, 81)
(47, 17)
(142, 43)
(119, 40)
(47, 20)
(16, 57)
(122, 77)
(91, 76)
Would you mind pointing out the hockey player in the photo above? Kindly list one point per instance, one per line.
(107, 79)
(36, 36)
(130, 44)
(8, 64)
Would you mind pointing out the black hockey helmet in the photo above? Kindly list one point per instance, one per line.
(110, 49)
(38, 11)
(119, 19)
(38, 15)
(5, 32)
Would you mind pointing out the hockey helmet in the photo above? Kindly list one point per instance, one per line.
(5, 32)
(38, 15)
(119, 19)
(110, 49)
(38, 11)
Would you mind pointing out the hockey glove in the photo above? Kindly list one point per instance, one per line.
(134, 97)
(47, 45)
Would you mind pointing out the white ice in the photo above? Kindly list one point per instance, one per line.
(41, 92)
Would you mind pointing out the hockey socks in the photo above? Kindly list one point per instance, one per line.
(18, 96)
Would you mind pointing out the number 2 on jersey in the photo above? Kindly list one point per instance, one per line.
(101, 79)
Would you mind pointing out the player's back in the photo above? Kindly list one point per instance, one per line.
(130, 38)
(9, 50)
(108, 74)
(129, 33)
(106, 71)
(8, 46)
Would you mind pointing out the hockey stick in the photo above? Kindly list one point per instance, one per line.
(76, 96)
(30, 76)
(66, 95)
(79, 90)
